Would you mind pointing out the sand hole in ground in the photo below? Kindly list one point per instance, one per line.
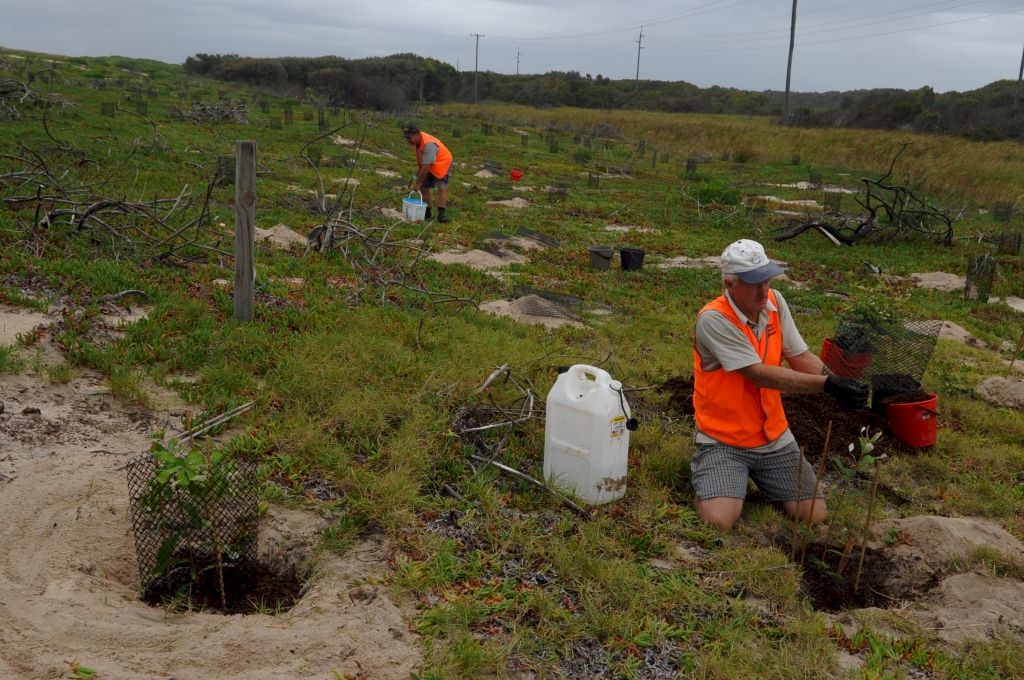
(69, 582)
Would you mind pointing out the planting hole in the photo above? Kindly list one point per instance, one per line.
(830, 571)
(249, 588)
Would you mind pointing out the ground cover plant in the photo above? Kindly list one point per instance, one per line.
(367, 357)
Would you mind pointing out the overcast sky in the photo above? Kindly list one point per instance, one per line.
(840, 44)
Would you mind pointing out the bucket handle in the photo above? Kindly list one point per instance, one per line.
(929, 410)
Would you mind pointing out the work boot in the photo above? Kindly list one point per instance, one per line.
(441, 217)
(427, 216)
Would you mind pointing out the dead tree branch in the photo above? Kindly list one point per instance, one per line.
(891, 210)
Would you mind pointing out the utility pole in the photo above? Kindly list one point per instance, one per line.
(476, 64)
(638, 47)
(789, 65)
(517, 60)
(1020, 76)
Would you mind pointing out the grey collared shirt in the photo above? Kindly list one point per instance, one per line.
(721, 345)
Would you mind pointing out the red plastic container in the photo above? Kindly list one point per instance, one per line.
(516, 175)
(914, 424)
(847, 365)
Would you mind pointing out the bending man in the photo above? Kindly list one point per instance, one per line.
(434, 168)
(740, 341)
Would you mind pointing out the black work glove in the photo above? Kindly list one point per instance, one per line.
(851, 395)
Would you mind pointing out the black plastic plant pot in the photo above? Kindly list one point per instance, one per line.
(632, 259)
(600, 257)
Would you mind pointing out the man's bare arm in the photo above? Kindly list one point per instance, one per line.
(783, 379)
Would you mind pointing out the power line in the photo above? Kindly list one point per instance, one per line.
(810, 30)
(836, 40)
(667, 18)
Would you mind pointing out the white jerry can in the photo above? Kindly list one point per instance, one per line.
(586, 441)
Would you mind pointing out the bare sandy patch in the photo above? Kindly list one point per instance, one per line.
(387, 173)
(69, 582)
(684, 262)
(941, 281)
(1012, 301)
(518, 242)
(953, 331)
(281, 236)
(524, 310)
(15, 321)
(485, 173)
(517, 202)
(776, 202)
(393, 213)
(966, 606)
(341, 141)
(479, 259)
(808, 186)
(350, 181)
(626, 228)
(973, 606)
(1002, 391)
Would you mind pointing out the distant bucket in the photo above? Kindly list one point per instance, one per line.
(841, 363)
(632, 259)
(516, 175)
(600, 257)
(414, 209)
(914, 424)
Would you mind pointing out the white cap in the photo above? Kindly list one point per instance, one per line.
(747, 260)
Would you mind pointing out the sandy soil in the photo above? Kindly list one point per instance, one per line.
(684, 262)
(281, 236)
(517, 202)
(776, 202)
(15, 322)
(520, 308)
(631, 228)
(1002, 391)
(479, 259)
(941, 281)
(69, 581)
(974, 605)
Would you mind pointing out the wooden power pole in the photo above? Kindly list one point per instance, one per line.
(789, 65)
(476, 64)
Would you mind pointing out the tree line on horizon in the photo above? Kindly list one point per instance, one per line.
(392, 83)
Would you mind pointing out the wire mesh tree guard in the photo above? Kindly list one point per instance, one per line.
(183, 530)
(980, 272)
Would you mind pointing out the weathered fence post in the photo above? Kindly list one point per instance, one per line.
(245, 225)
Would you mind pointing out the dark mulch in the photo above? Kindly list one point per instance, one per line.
(809, 416)
(885, 580)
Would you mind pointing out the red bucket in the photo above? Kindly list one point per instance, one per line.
(840, 362)
(914, 424)
(516, 175)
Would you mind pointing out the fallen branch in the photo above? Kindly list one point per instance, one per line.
(573, 507)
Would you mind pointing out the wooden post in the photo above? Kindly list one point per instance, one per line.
(245, 225)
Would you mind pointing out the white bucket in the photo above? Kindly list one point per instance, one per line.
(414, 209)
(586, 441)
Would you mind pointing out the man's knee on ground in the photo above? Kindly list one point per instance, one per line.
(720, 512)
(806, 511)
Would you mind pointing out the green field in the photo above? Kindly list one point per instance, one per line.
(365, 371)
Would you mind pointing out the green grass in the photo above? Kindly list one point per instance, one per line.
(358, 387)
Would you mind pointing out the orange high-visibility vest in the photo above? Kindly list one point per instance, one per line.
(728, 407)
(442, 162)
